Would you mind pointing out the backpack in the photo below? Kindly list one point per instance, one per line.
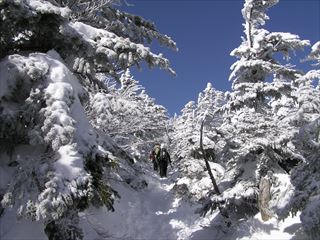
(157, 151)
(152, 156)
(163, 155)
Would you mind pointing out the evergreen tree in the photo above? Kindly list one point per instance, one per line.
(184, 132)
(209, 102)
(130, 117)
(257, 62)
(208, 109)
(55, 57)
(253, 140)
(306, 177)
(186, 128)
(185, 138)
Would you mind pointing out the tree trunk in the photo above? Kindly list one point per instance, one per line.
(249, 29)
(222, 210)
(214, 183)
(264, 198)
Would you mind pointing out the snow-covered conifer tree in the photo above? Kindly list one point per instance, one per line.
(194, 181)
(184, 131)
(208, 109)
(256, 59)
(54, 59)
(306, 177)
(130, 117)
(209, 101)
(254, 143)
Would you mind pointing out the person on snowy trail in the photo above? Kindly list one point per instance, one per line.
(163, 159)
(152, 158)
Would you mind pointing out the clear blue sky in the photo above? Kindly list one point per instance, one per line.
(206, 31)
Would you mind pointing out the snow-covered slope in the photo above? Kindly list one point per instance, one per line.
(154, 211)
(255, 228)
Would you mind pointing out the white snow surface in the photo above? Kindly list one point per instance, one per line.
(47, 7)
(155, 213)
(13, 229)
(273, 229)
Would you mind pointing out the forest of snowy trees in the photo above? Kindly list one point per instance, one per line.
(76, 126)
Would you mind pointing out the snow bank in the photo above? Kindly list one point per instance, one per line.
(197, 179)
(153, 213)
(256, 228)
(47, 7)
(282, 191)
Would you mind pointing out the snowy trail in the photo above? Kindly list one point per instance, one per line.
(153, 213)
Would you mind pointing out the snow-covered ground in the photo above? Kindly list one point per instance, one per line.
(156, 213)
(256, 229)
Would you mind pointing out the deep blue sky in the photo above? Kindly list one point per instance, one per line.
(206, 31)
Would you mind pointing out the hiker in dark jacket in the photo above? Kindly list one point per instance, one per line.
(163, 158)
